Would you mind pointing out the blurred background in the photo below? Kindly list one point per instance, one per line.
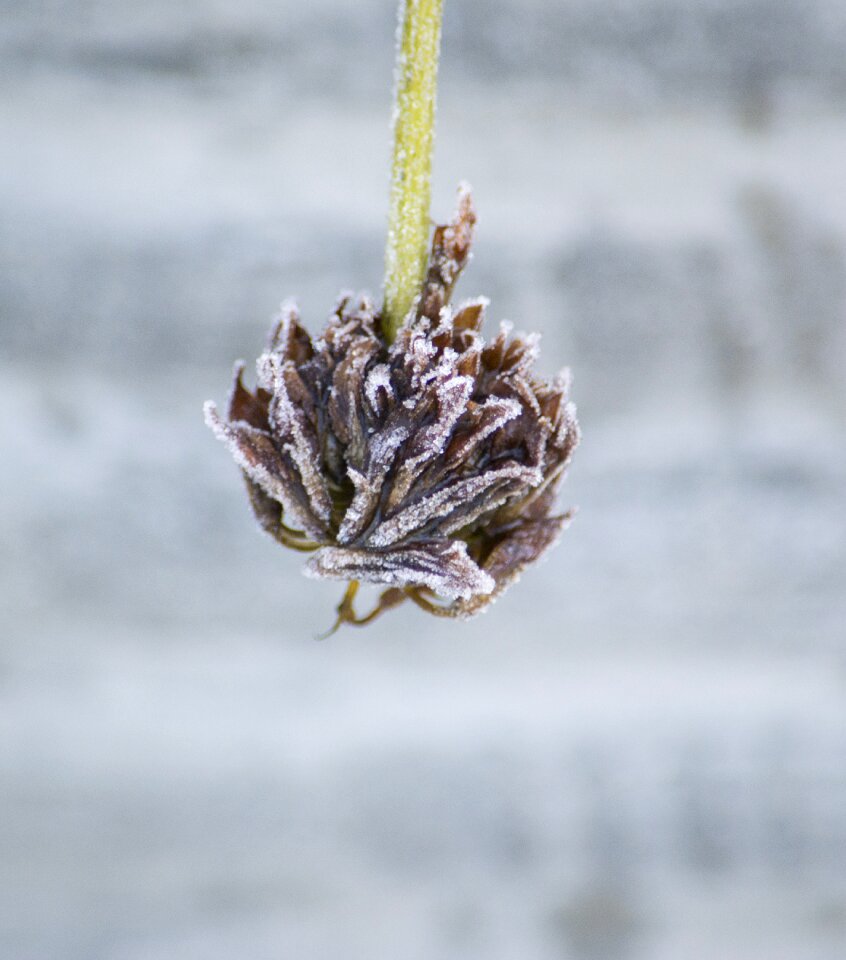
(640, 752)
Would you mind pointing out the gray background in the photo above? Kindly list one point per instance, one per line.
(640, 752)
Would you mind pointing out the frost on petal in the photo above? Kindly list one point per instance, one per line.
(382, 448)
(378, 390)
(482, 421)
(290, 415)
(450, 399)
(243, 405)
(524, 545)
(465, 499)
(470, 315)
(450, 253)
(494, 352)
(345, 404)
(521, 547)
(255, 454)
(520, 354)
(442, 566)
(412, 355)
(288, 338)
(368, 484)
(268, 512)
(509, 483)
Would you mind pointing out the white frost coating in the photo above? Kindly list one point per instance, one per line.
(312, 481)
(360, 506)
(480, 301)
(280, 333)
(237, 370)
(379, 378)
(443, 567)
(529, 476)
(495, 412)
(445, 366)
(445, 319)
(383, 446)
(442, 503)
(352, 368)
(288, 422)
(368, 486)
(501, 410)
(275, 487)
(420, 352)
(344, 297)
(569, 425)
(453, 395)
(532, 342)
(527, 394)
(563, 381)
(266, 366)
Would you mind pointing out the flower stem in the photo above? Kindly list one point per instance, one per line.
(411, 168)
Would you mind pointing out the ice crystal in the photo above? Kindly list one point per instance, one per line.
(429, 465)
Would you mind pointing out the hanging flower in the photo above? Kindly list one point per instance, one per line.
(429, 465)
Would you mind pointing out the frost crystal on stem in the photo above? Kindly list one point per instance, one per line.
(429, 465)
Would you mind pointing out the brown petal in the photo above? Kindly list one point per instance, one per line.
(470, 316)
(288, 338)
(455, 505)
(254, 452)
(524, 545)
(484, 420)
(443, 566)
(451, 396)
(346, 414)
(381, 452)
(294, 431)
(450, 252)
(243, 405)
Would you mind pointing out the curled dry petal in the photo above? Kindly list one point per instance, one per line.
(442, 566)
(429, 465)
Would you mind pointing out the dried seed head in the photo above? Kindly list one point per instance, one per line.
(429, 465)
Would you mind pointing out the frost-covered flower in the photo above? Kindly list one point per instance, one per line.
(429, 465)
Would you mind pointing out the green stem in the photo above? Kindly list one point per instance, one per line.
(411, 169)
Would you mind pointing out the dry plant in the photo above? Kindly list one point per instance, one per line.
(398, 447)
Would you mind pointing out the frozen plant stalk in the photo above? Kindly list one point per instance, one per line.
(400, 448)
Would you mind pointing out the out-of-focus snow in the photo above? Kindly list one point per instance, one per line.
(640, 751)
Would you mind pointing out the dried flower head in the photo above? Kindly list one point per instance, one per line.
(429, 465)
